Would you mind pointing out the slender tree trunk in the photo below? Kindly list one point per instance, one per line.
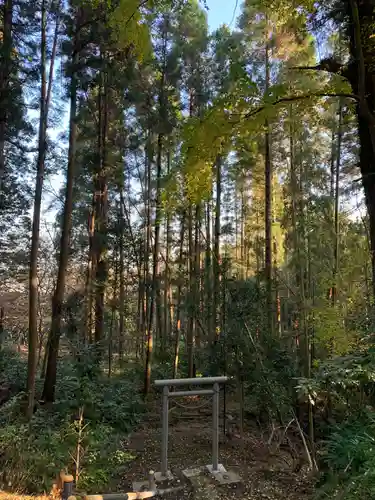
(141, 306)
(179, 290)
(236, 209)
(196, 290)
(58, 296)
(40, 331)
(216, 258)
(258, 249)
(268, 207)
(190, 327)
(122, 280)
(166, 321)
(277, 292)
(167, 287)
(361, 76)
(332, 176)
(44, 364)
(33, 274)
(208, 272)
(2, 326)
(294, 190)
(337, 201)
(90, 274)
(101, 188)
(194, 287)
(147, 280)
(302, 264)
(155, 295)
(5, 76)
(116, 264)
(242, 239)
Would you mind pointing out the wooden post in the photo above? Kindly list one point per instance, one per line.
(215, 428)
(67, 486)
(164, 433)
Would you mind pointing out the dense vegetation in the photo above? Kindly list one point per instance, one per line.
(217, 215)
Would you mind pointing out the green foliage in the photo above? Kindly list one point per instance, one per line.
(32, 454)
(129, 28)
(248, 352)
(347, 379)
(349, 453)
(12, 370)
(331, 336)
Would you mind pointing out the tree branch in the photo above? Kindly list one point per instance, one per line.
(330, 65)
(298, 98)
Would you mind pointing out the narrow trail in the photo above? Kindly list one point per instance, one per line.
(266, 475)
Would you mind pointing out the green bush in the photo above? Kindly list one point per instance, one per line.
(32, 453)
(344, 386)
(247, 349)
(13, 370)
(349, 457)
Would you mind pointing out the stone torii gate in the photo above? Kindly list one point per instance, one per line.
(214, 382)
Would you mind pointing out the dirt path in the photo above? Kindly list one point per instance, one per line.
(265, 475)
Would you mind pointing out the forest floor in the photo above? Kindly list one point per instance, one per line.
(267, 471)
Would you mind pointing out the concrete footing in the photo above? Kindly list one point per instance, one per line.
(198, 477)
(160, 477)
(189, 473)
(222, 476)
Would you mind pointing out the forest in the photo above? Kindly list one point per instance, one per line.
(175, 202)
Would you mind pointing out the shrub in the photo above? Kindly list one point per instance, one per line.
(31, 454)
(349, 456)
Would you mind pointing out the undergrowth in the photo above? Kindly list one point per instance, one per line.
(349, 457)
(32, 453)
(347, 453)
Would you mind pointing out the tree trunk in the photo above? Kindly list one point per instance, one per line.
(277, 292)
(40, 331)
(361, 76)
(216, 258)
(268, 207)
(58, 296)
(242, 239)
(141, 305)
(208, 272)
(294, 195)
(167, 287)
(179, 289)
(33, 275)
(155, 294)
(113, 311)
(190, 327)
(101, 189)
(147, 252)
(5, 76)
(90, 274)
(122, 278)
(337, 205)
(196, 288)
(193, 286)
(2, 327)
